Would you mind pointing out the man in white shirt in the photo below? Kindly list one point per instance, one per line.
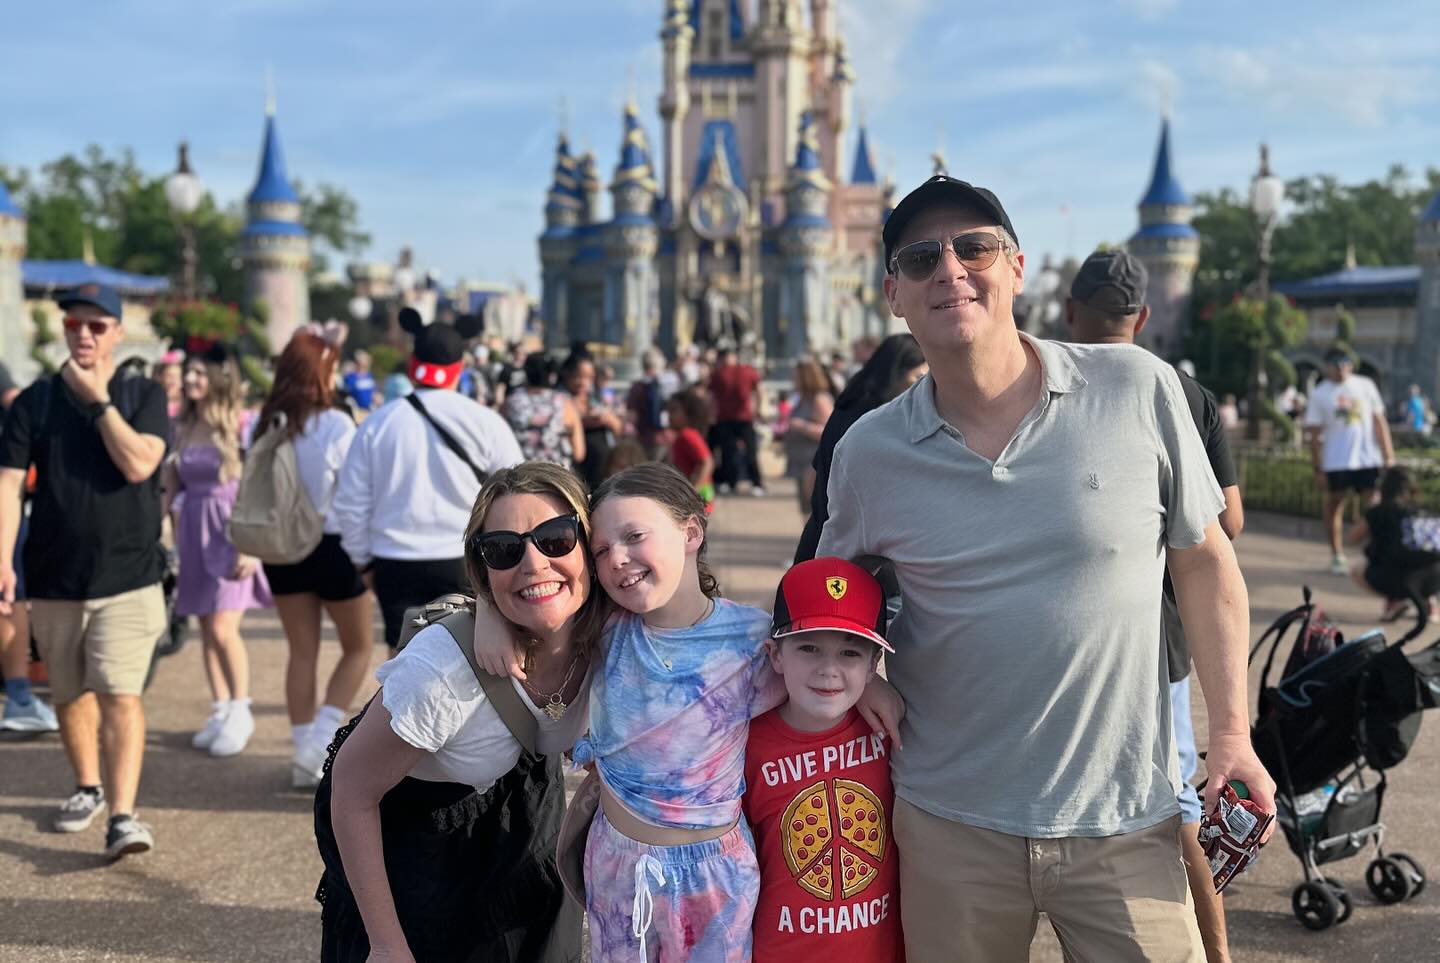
(1349, 442)
(412, 474)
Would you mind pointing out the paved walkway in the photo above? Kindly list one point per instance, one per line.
(235, 868)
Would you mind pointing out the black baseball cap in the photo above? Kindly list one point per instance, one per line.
(941, 189)
(101, 296)
(1338, 356)
(1111, 281)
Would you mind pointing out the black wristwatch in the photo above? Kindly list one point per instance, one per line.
(94, 411)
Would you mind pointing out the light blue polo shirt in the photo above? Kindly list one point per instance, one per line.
(1026, 650)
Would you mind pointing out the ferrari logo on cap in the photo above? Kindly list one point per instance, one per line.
(89, 291)
(836, 586)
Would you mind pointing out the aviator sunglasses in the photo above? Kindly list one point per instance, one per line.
(501, 550)
(97, 328)
(976, 250)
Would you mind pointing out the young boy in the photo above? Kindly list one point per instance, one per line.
(817, 779)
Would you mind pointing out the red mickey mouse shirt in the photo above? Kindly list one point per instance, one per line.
(819, 804)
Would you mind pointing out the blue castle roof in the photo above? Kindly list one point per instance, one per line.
(1351, 282)
(737, 22)
(1432, 212)
(273, 183)
(264, 228)
(807, 151)
(1164, 189)
(634, 151)
(7, 206)
(864, 171)
(1166, 230)
(45, 277)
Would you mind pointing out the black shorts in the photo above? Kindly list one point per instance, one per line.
(402, 583)
(326, 572)
(1362, 480)
(1400, 583)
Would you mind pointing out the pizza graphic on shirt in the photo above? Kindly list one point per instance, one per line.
(835, 833)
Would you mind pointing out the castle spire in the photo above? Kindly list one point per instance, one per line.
(7, 206)
(864, 170)
(564, 202)
(274, 244)
(272, 184)
(808, 169)
(1164, 189)
(634, 166)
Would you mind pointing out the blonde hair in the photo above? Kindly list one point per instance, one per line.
(672, 491)
(539, 478)
(220, 411)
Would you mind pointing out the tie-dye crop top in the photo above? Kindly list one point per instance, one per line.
(670, 711)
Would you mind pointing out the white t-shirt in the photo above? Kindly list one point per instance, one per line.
(436, 704)
(320, 451)
(1345, 411)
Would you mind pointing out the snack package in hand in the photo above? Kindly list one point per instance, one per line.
(1230, 835)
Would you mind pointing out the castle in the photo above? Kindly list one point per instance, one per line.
(1169, 247)
(748, 230)
(274, 245)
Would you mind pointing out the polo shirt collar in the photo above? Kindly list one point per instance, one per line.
(1056, 367)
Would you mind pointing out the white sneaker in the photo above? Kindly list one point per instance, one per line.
(1339, 565)
(235, 731)
(757, 491)
(309, 763)
(211, 728)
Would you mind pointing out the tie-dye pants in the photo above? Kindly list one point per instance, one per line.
(670, 904)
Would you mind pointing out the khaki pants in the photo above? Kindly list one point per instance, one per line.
(970, 894)
(98, 645)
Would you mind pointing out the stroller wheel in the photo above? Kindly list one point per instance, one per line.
(1388, 879)
(1342, 895)
(1315, 905)
(1414, 871)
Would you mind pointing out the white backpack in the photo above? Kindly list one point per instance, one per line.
(273, 518)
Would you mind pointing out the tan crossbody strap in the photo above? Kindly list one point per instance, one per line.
(500, 691)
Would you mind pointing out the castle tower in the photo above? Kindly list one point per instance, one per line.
(564, 207)
(1170, 250)
(805, 240)
(782, 47)
(631, 241)
(589, 171)
(14, 339)
(1426, 372)
(274, 244)
(676, 37)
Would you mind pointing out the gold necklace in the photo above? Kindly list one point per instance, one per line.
(555, 704)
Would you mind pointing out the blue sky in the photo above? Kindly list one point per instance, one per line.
(439, 116)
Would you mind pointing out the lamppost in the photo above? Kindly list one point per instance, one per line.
(184, 192)
(1266, 193)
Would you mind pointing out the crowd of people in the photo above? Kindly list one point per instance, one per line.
(1035, 536)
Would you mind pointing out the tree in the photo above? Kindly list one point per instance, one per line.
(332, 216)
(1264, 329)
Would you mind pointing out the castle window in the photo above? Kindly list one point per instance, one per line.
(715, 34)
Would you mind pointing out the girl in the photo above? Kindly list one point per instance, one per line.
(302, 404)
(668, 861)
(689, 413)
(813, 405)
(215, 583)
(1392, 571)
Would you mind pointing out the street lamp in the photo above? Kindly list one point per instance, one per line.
(1266, 193)
(184, 192)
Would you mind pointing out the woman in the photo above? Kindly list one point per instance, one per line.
(170, 373)
(808, 415)
(215, 582)
(894, 367)
(602, 426)
(544, 420)
(437, 830)
(302, 405)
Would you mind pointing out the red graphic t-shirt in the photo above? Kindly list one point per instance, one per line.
(819, 804)
(733, 389)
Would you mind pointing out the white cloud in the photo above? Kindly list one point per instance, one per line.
(1151, 9)
(877, 35)
(1157, 86)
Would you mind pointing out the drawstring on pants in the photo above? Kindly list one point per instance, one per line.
(643, 907)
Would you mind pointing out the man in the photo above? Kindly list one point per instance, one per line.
(360, 383)
(646, 403)
(1024, 491)
(735, 389)
(1107, 306)
(412, 474)
(93, 564)
(1349, 443)
(1417, 411)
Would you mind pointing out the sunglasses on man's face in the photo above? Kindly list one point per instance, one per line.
(97, 328)
(976, 250)
(501, 550)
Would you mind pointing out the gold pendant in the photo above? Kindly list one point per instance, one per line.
(555, 708)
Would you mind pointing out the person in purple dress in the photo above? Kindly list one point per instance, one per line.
(216, 583)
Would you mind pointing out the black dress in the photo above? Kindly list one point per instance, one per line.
(472, 874)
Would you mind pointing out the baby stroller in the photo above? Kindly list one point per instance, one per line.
(1341, 714)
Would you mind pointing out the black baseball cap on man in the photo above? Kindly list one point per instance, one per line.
(1338, 356)
(941, 189)
(101, 296)
(1111, 281)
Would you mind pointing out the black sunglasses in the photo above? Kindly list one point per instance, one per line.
(976, 250)
(501, 550)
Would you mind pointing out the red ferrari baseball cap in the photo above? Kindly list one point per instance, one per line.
(830, 594)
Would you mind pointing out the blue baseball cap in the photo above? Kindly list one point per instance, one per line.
(101, 296)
